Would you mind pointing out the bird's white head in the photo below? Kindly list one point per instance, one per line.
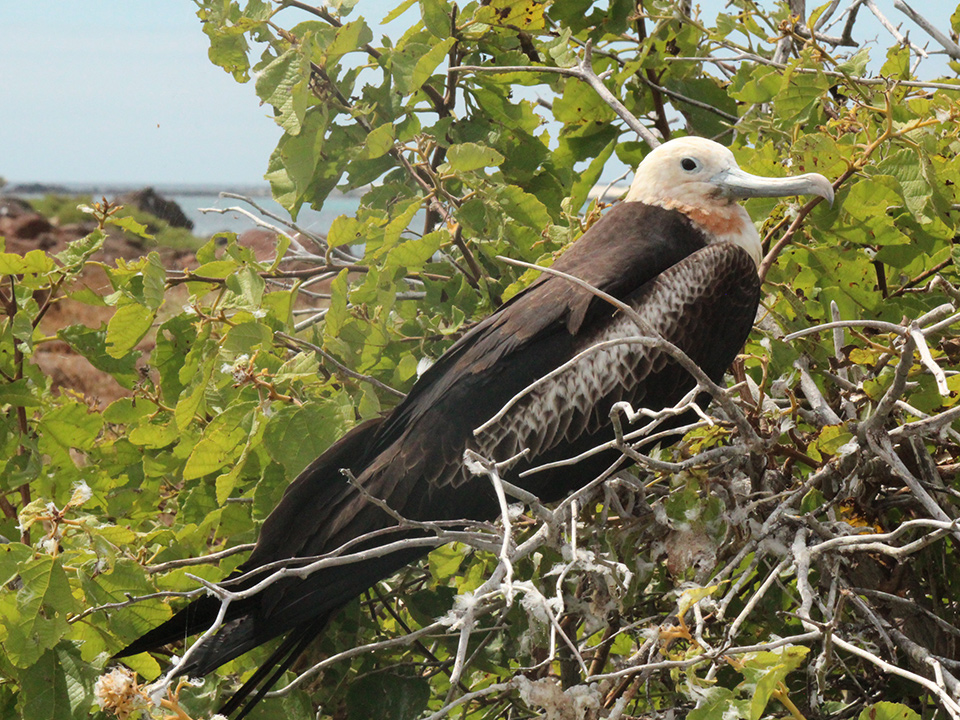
(701, 179)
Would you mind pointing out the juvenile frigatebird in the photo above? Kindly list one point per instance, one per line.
(679, 250)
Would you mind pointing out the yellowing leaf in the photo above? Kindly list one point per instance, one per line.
(379, 141)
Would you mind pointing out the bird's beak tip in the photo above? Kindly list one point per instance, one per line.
(819, 185)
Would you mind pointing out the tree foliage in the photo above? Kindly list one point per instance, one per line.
(794, 556)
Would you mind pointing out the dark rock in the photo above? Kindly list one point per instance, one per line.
(40, 189)
(14, 207)
(149, 200)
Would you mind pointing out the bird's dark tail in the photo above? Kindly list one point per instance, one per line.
(195, 617)
(259, 684)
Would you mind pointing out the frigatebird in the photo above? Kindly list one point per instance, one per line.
(678, 250)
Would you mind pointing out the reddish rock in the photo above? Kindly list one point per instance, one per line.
(263, 242)
(28, 226)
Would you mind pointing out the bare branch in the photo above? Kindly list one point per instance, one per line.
(582, 71)
(953, 50)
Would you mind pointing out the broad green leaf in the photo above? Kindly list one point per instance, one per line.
(413, 254)
(128, 326)
(154, 434)
(284, 83)
(72, 425)
(246, 337)
(302, 366)
(46, 689)
(43, 602)
(464, 157)
(379, 141)
(526, 15)
(79, 251)
(92, 344)
(690, 597)
(888, 711)
(436, 17)
(427, 64)
(397, 11)
(296, 436)
(523, 207)
(350, 36)
(345, 230)
(222, 440)
(34, 262)
(247, 285)
(19, 393)
(128, 224)
(387, 697)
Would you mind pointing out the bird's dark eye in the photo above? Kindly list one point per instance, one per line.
(689, 164)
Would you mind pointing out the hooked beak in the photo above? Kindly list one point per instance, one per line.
(735, 183)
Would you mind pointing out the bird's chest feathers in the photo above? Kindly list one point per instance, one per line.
(724, 222)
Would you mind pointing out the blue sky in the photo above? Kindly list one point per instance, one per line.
(121, 91)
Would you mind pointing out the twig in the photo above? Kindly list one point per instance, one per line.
(891, 29)
(582, 71)
(953, 50)
(339, 365)
(211, 559)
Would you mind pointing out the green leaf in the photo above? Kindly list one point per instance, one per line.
(221, 442)
(580, 105)
(429, 62)
(79, 251)
(46, 691)
(526, 15)
(128, 326)
(523, 207)
(128, 224)
(302, 366)
(345, 230)
(191, 400)
(767, 670)
(856, 64)
(92, 344)
(413, 254)
(246, 337)
(888, 711)
(296, 436)
(436, 17)
(444, 562)
(464, 157)
(247, 285)
(379, 141)
(43, 603)
(350, 36)
(18, 393)
(72, 425)
(284, 83)
(398, 11)
(228, 46)
(386, 696)
(34, 262)
(587, 180)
